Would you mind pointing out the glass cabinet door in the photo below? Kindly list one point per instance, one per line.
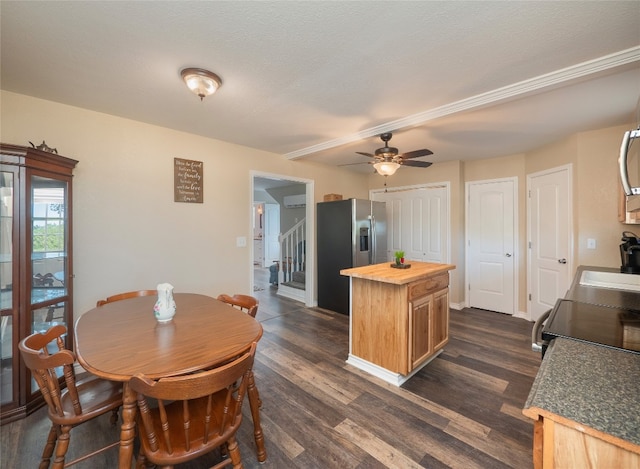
(48, 251)
(7, 264)
(49, 260)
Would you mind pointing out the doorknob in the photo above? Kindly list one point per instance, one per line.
(508, 254)
(562, 261)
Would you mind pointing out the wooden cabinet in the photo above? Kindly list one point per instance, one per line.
(429, 319)
(559, 442)
(36, 281)
(399, 320)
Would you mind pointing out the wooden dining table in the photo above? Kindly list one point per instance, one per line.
(120, 339)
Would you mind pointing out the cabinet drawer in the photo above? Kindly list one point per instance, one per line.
(430, 285)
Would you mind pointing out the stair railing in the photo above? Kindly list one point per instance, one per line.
(292, 251)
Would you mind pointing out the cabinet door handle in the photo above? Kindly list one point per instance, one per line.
(562, 261)
(508, 254)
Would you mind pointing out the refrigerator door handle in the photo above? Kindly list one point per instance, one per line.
(374, 241)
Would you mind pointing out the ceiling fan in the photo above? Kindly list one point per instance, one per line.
(387, 160)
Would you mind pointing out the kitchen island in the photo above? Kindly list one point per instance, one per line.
(399, 318)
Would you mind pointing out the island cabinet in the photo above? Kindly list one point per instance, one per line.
(399, 318)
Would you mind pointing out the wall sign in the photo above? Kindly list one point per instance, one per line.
(187, 181)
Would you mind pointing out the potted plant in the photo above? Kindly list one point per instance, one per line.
(399, 257)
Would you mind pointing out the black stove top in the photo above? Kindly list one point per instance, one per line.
(604, 325)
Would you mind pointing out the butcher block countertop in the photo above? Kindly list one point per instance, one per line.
(387, 274)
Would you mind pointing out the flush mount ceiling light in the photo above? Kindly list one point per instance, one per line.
(202, 82)
(386, 168)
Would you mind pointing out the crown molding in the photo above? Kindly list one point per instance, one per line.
(521, 89)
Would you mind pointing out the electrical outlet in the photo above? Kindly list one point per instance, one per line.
(241, 242)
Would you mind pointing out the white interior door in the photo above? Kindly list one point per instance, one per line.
(491, 245)
(417, 222)
(271, 232)
(549, 233)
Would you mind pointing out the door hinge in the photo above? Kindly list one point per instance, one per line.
(529, 244)
(529, 296)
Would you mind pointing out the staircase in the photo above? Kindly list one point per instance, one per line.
(293, 252)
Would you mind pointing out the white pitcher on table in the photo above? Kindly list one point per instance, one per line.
(165, 307)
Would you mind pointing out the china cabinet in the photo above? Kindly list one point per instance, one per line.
(36, 279)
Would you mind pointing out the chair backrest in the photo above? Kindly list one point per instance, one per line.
(43, 364)
(192, 411)
(246, 303)
(124, 296)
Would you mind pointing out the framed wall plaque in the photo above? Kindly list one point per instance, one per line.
(187, 181)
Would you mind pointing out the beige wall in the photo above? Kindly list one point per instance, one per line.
(129, 233)
(598, 191)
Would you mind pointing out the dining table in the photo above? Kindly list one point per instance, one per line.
(118, 340)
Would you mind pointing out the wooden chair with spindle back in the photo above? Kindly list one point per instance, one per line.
(124, 296)
(81, 400)
(192, 414)
(249, 305)
(246, 303)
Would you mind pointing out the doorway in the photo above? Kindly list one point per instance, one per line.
(261, 183)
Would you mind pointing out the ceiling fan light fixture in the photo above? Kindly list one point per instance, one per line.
(200, 81)
(386, 168)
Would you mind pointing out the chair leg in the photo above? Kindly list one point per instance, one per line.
(49, 446)
(62, 447)
(114, 416)
(234, 453)
(224, 450)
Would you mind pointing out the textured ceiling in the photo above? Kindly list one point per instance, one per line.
(319, 80)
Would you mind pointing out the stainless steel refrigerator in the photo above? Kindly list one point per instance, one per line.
(350, 233)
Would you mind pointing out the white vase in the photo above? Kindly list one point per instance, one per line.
(165, 307)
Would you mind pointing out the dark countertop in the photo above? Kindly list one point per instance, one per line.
(593, 385)
(602, 296)
(599, 387)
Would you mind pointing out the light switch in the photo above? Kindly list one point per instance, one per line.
(591, 243)
(241, 241)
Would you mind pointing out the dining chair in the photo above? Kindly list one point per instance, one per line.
(249, 305)
(192, 415)
(82, 400)
(245, 303)
(124, 296)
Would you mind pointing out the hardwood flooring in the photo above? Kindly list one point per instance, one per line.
(463, 410)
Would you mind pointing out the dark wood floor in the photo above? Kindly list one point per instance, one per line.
(463, 410)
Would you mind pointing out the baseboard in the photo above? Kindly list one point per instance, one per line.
(291, 293)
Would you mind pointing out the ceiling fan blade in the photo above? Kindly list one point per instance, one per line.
(417, 164)
(365, 154)
(416, 153)
(351, 164)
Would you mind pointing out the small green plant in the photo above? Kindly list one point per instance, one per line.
(399, 255)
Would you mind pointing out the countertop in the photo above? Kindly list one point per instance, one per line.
(387, 274)
(602, 296)
(594, 386)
